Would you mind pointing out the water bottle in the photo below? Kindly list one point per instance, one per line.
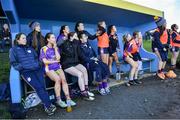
(69, 108)
(118, 75)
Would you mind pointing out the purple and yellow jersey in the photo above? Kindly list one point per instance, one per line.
(49, 54)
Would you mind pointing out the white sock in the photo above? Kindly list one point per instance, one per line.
(130, 78)
(68, 102)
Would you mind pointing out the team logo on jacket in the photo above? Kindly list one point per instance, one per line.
(29, 51)
(29, 79)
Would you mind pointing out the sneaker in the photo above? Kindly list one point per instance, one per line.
(107, 89)
(50, 110)
(137, 81)
(168, 74)
(102, 91)
(141, 72)
(87, 97)
(161, 75)
(90, 94)
(61, 104)
(72, 103)
(127, 84)
(131, 82)
(171, 74)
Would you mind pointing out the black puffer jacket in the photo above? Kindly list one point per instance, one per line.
(70, 53)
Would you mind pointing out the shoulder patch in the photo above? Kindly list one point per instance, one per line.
(44, 49)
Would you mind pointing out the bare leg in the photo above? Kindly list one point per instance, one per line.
(64, 84)
(84, 71)
(136, 71)
(174, 57)
(116, 59)
(110, 64)
(75, 72)
(57, 87)
(134, 66)
(160, 66)
(105, 58)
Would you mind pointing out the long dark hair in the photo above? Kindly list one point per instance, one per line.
(135, 33)
(17, 37)
(77, 25)
(48, 35)
(173, 27)
(62, 28)
(161, 30)
(109, 29)
(35, 40)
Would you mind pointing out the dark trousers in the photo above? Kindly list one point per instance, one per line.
(101, 70)
(164, 55)
(36, 80)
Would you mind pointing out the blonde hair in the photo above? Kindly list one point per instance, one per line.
(100, 23)
(125, 38)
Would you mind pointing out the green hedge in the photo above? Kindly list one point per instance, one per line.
(4, 67)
